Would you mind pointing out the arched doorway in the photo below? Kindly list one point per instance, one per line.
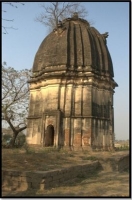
(49, 136)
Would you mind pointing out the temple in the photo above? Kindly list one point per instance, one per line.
(72, 89)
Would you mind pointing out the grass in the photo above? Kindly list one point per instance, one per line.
(29, 158)
(92, 158)
(43, 159)
(122, 148)
(105, 184)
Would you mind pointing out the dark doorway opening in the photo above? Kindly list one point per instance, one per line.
(49, 136)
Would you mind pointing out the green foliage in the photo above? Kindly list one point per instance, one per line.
(126, 170)
(122, 148)
(21, 139)
(27, 149)
(6, 138)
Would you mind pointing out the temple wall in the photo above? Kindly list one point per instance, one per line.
(87, 101)
(77, 131)
(78, 100)
(66, 131)
(62, 94)
(50, 97)
(77, 141)
(84, 109)
(101, 113)
(34, 131)
(38, 100)
(29, 131)
(44, 93)
(67, 100)
(86, 131)
(32, 102)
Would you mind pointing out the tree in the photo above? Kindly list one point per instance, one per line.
(13, 4)
(55, 11)
(15, 98)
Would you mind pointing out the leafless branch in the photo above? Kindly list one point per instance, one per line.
(15, 96)
(56, 11)
(13, 4)
(9, 20)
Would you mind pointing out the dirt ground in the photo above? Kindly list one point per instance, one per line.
(104, 183)
(49, 158)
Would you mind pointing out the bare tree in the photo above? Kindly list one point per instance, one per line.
(55, 11)
(4, 27)
(15, 98)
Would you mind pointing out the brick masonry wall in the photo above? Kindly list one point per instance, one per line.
(40, 180)
(123, 163)
(16, 180)
(117, 163)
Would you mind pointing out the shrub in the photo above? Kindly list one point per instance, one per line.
(122, 148)
(21, 139)
(6, 140)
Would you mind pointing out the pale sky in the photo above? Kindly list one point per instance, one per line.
(20, 46)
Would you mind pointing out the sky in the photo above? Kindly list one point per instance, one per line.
(20, 46)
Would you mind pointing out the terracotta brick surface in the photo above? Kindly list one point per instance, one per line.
(66, 137)
(77, 139)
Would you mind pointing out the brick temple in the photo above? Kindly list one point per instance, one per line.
(72, 88)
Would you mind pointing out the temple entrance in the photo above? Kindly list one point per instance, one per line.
(49, 136)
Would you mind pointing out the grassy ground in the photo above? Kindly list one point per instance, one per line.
(48, 158)
(98, 184)
(103, 184)
(41, 159)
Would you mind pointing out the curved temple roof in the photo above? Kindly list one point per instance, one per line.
(74, 44)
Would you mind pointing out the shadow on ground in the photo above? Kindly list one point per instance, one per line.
(107, 184)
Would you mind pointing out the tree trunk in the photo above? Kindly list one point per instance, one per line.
(15, 131)
(14, 139)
